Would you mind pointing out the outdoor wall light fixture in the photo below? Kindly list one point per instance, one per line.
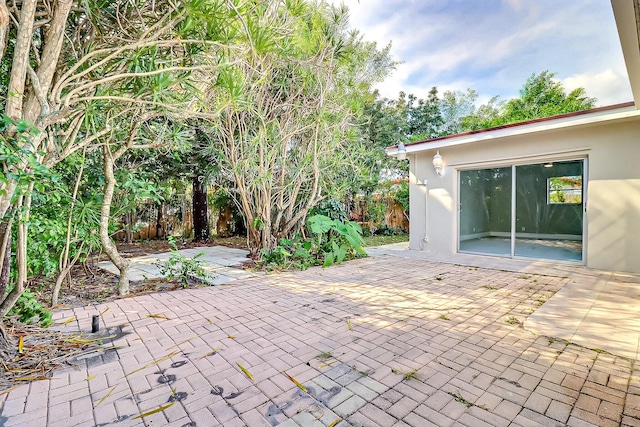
(548, 165)
(401, 153)
(438, 163)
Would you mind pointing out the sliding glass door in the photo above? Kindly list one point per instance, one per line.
(485, 211)
(533, 210)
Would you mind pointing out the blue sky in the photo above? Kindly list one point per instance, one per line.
(493, 46)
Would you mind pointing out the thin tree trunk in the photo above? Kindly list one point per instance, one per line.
(18, 77)
(159, 221)
(200, 210)
(5, 256)
(122, 264)
(53, 39)
(4, 27)
(65, 265)
(21, 255)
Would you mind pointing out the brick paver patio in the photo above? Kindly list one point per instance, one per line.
(382, 341)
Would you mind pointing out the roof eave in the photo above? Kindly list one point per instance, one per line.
(626, 14)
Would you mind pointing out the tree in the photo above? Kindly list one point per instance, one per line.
(287, 107)
(485, 116)
(75, 69)
(426, 118)
(540, 96)
(454, 106)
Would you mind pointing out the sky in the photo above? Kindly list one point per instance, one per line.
(493, 46)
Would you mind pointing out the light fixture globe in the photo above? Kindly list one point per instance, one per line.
(401, 153)
(438, 164)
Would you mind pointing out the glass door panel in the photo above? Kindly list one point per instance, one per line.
(485, 211)
(549, 210)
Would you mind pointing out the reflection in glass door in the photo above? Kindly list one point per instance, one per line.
(533, 211)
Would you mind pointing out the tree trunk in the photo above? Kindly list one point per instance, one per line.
(24, 201)
(160, 221)
(21, 51)
(5, 236)
(200, 214)
(4, 27)
(122, 264)
(53, 40)
(128, 227)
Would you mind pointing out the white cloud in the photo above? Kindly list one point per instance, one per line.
(493, 47)
(609, 86)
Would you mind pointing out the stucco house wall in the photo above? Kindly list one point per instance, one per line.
(612, 182)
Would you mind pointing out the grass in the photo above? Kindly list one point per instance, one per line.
(406, 376)
(324, 356)
(362, 373)
(444, 317)
(458, 398)
(512, 320)
(489, 287)
(385, 240)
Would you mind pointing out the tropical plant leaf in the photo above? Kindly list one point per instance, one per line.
(320, 224)
(329, 259)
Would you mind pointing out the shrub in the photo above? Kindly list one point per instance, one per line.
(30, 311)
(183, 269)
(331, 208)
(332, 241)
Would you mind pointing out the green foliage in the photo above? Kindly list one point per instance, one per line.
(50, 212)
(540, 96)
(331, 242)
(29, 310)
(331, 208)
(512, 320)
(19, 163)
(401, 195)
(183, 269)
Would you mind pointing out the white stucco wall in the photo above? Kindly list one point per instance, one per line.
(612, 150)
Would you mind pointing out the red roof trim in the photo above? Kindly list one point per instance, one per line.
(528, 122)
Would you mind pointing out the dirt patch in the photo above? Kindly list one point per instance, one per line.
(87, 284)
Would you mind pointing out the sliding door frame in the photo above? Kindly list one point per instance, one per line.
(523, 162)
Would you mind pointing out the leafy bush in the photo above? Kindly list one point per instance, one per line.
(332, 241)
(336, 240)
(389, 231)
(29, 310)
(402, 195)
(183, 269)
(289, 254)
(331, 208)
